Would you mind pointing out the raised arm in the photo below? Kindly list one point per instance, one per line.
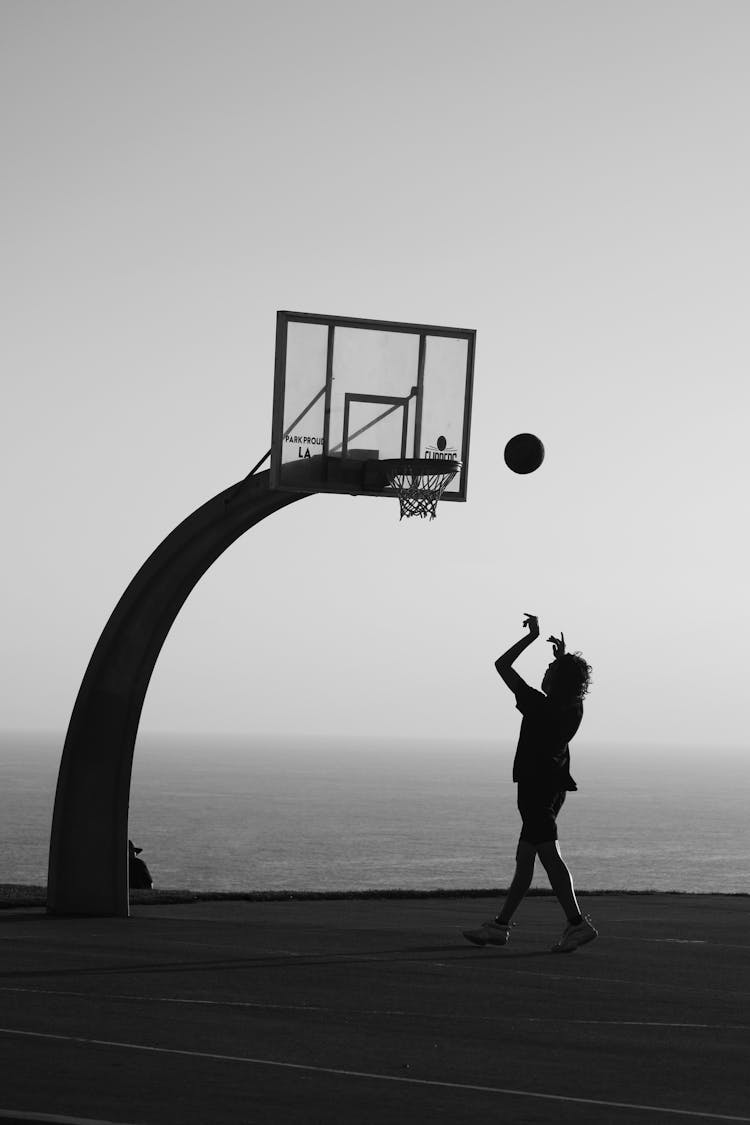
(504, 663)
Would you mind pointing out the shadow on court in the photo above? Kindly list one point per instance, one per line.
(377, 1011)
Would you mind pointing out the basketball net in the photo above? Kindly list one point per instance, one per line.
(420, 484)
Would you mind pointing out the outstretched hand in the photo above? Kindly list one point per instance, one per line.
(532, 624)
(558, 645)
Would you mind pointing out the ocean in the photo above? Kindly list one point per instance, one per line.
(269, 813)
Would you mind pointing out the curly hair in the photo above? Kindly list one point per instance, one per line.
(572, 674)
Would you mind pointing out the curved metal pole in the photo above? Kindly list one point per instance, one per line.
(88, 860)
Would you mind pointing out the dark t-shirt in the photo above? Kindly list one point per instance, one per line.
(543, 756)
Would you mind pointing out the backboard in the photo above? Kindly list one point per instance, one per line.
(350, 393)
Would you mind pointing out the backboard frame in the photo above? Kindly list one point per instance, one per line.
(344, 473)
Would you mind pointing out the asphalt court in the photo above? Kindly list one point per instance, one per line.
(376, 1010)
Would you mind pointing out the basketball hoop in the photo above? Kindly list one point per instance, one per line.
(419, 482)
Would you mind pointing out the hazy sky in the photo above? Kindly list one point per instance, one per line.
(569, 178)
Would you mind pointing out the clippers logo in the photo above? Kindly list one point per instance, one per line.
(440, 451)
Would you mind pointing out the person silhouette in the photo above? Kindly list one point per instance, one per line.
(541, 769)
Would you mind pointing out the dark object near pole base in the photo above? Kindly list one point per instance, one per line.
(139, 876)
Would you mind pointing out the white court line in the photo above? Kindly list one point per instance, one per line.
(677, 941)
(310, 958)
(52, 1118)
(343, 1073)
(672, 940)
(641, 1023)
(649, 985)
(405, 1012)
(255, 959)
(135, 968)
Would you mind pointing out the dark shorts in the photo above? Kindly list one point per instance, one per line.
(539, 809)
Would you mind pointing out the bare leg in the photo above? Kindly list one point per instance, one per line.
(560, 878)
(525, 856)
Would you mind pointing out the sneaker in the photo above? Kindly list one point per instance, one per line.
(573, 936)
(489, 933)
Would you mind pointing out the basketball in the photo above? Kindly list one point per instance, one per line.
(524, 453)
